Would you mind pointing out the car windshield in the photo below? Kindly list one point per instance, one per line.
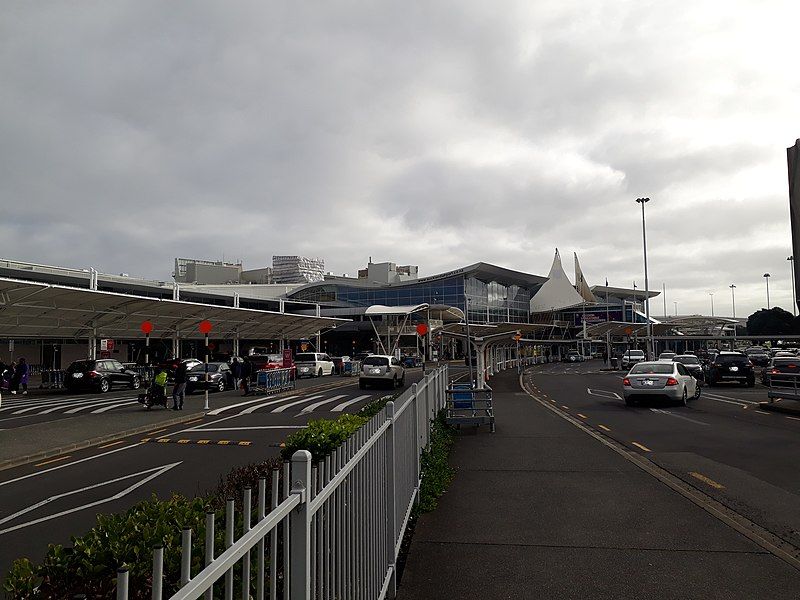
(756, 351)
(652, 369)
(687, 360)
(81, 365)
(635, 353)
(308, 357)
(201, 368)
(376, 361)
(666, 354)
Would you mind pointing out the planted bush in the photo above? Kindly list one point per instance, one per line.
(322, 436)
(435, 469)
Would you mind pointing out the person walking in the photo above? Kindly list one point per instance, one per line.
(179, 390)
(20, 378)
(236, 371)
(605, 357)
(245, 371)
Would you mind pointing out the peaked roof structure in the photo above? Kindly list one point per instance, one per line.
(557, 292)
(580, 283)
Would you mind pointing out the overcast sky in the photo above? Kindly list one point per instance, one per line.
(435, 133)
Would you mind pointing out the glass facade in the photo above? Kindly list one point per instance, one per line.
(490, 302)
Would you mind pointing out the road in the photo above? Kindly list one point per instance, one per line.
(49, 501)
(721, 443)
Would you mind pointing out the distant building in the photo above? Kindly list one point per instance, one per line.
(297, 269)
(190, 270)
(388, 272)
(263, 275)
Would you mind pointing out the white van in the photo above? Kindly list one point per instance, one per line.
(313, 364)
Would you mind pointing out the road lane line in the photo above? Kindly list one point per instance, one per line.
(253, 427)
(221, 410)
(707, 480)
(582, 416)
(672, 414)
(155, 432)
(604, 428)
(641, 446)
(252, 409)
(52, 460)
(316, 405)
(565, 407)
(794, 418)
(344, 405)
(195, 421)
(739, 400)
(112, 444)
(761, 412)
(283, 407)
(112, 407)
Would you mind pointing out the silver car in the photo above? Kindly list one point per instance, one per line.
(381, 369)
(669, 380)
(631, 357)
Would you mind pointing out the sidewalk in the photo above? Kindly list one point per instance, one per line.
(540, 509)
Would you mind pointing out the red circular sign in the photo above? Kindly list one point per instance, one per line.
(422, 329)
(147, 327)
(205, 326)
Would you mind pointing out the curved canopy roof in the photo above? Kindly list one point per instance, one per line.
(29, 309)
(557, 292)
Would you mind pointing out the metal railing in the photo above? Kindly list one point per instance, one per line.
(336, 531)
(785, 386)
(52, 379)
(267, 381)
(351, 368)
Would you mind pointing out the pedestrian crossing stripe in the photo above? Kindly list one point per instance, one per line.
(198, 442)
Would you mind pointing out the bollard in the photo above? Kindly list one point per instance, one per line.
(122, 584)
(158, 571)
(186, 555)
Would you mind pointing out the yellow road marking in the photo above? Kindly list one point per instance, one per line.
(183, 441)
(52, 460)
(223, 442)
(156, 431)
(145, 440)
(163, 440)
(195, 421)
(641, 446)
(203, 441)
(707, 480)
(604, 428)
(112, 444)
(582, 416)
(245, 443)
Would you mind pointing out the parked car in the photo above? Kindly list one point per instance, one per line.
(781, 371)
(171, 365)
(659, 379)
(381, 369)
(758, 356)
(668, 356)
(220, 378)
(731, 367)
(692, 364)
(99, 376)
(573, 356)
(631, 357)
(313, 364)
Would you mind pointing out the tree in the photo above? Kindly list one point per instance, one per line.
(774, 321)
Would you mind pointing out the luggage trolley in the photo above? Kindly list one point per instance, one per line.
(469, 406)
(267, 381)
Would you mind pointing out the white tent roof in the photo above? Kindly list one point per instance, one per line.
(580, 283)
(380, 309)
(29, 309)
(557, 292)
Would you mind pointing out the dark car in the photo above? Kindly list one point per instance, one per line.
(758, 356)
(573, 356)
(781, 371)
(171, 365)
(220, 378)
(99, 376)
(692, 364)
(731, 367)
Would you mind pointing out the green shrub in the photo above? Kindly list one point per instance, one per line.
(435, 469)
(322, 436)
(373, 408)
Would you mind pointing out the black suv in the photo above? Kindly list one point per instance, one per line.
(730, 367)
(99, 376)
(758, 355)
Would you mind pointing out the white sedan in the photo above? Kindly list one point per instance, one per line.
(669, 380)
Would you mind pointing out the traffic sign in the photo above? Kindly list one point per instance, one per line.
(147, 327)
(422, 329)
(106, 345)
(628, 330)
(518, 337)
(205, 326)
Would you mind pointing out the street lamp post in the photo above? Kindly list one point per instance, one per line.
(675, 302)
(644, 201)
(794, 297)
(712, 302)
(733, 308)
(766, 278)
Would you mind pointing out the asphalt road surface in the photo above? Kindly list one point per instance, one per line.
(721, 443)
(48, 501)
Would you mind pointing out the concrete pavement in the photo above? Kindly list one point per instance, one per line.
(541, 509)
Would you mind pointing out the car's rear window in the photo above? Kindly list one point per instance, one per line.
(635, 353)
(785, 361)
(81, 365)
(305, 358)
(756, 351)
(650, 369)
(201, 368)
(730, 359)
(376, 361)
(687, 360)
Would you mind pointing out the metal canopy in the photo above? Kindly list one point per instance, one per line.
(29, 309)
(380, 309)
(620, 329)
(499, 330)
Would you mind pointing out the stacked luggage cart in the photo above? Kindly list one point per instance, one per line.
(466, 405)
(269, 381)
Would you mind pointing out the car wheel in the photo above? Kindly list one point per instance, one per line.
(136, 383)
(221, 386)
(104, 386)
(697, 390)
(684, 398)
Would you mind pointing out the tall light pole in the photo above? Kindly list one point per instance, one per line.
(664, 298)
(766, 278)
(733, 308)
(794, 297)
(712, 302)
(675, 302)
(644, 201)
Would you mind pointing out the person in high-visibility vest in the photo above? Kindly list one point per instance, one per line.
(158, 390)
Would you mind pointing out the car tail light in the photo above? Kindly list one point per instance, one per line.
(626, 381)
(774, 371)
(672, 381)
(792, 366)
(92, 374)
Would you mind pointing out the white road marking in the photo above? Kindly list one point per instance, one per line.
(218, 411)
(672, 414)
(603, 394)
(112, 407)
(316, 405)
(738, 400)
(113, 403)
(253, 427)
(155, 472)
(252, 409)
(344, 405)
(283, 407)
(715, 399)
